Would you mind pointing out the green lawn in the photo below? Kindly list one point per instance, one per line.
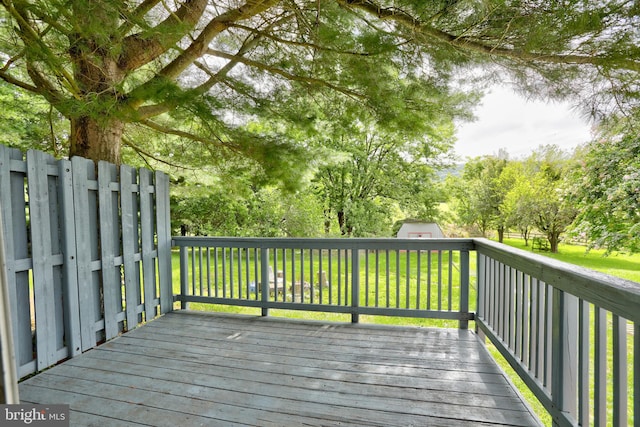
(616, 264)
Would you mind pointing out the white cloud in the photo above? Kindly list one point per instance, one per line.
(507, 120)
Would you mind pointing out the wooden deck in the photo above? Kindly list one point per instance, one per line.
(192, 368)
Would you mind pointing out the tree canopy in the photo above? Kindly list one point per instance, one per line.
(202, 70)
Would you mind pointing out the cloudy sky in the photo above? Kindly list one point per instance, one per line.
(507, 120)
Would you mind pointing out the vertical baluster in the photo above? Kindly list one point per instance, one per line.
(499, 307)
(518, 307)
(256, 273)
(418, 271)
(600, 368)
(200, 271)
(247, 272)
(534, 337)
(450, 289)
(636, 374)
(464, 289)
(224, 271)
(619, 345)
(396, 269)
(525, 319)
(387, 276)
(320, 277)
(366, 278)
(184, 275)
(330, 278)
(208, 271)
(193, 270)
(407, 277)
(216, 271)
(429, 272)
(312, 290)
(548, 334)
(377, 278)
(439, 280)
(583, 362)
(482, 287)
(339, 277)
(231, 264)
(346, 276)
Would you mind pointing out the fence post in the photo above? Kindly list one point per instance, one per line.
(564, 356)
(355, 285)
(464, 289)
(163, 223)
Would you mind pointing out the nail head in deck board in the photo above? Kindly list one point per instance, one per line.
(216, 384)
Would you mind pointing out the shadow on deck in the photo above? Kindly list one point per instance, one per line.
(192, 368)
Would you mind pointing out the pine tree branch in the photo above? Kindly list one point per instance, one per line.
(199, 47)
(183, 134)
(30, 36)
(24, 85)
(472, 44)
(138, 50)
(137, 15)
(217, 25)
(285, 74)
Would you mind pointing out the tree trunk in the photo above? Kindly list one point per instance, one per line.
(553, 242)
(96, 139)
(341, 222)
(327, 221)
(500, 234)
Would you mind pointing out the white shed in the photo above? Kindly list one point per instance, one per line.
(420, 230)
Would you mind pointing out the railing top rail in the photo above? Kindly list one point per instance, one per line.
(325, 243)
(620, 296)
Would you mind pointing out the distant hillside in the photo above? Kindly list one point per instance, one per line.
(455, 170)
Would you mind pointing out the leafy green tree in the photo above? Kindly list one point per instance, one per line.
(480, 194)
(552, 210)
(607, 187)
(27, 121)
(518, 206)
(201, 70)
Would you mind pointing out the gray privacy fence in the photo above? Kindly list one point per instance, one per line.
(88, 252)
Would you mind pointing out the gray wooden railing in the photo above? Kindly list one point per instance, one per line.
(394, 277)
(87, 252)
(566, 330)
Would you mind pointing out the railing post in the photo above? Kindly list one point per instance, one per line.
(355, 285)
(564, 356)
(264, 281)
(184, 277)
(464, 290)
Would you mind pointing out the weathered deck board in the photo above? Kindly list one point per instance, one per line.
(190, 368)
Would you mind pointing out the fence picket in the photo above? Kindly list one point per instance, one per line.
(85, 207)
(128, 202)
(14, 205)
(70, 266)
(111, 284)
(42, 253)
